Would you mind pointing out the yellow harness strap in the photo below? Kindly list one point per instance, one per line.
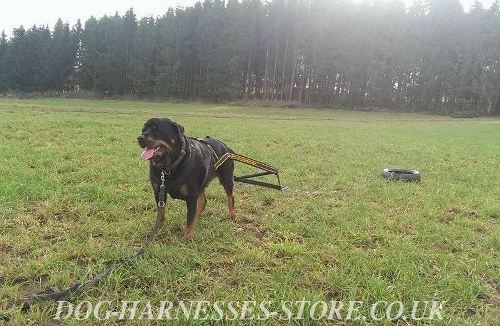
(240, 158)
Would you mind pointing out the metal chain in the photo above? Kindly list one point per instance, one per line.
(288, 191)
(161, 195)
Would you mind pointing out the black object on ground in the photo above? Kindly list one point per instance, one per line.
(402, 174)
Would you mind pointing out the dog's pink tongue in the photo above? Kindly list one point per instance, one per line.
(148, 154)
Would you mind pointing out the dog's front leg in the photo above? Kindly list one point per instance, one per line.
(192, 213)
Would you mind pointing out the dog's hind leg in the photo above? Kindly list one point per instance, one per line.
(191, 204)
(201, 202)
(226, 178)
(230, 205)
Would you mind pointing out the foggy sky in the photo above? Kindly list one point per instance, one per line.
(31, 12)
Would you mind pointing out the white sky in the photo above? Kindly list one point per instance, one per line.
(42, 12)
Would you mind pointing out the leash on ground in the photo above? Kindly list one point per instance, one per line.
(81, 287)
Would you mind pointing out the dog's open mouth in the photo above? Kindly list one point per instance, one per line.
(152, 152)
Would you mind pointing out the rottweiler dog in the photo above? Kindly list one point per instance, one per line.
(185, 167)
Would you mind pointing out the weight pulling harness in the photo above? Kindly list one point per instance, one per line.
(218, 161)
(268, 169)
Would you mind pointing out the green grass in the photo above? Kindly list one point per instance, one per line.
(74, 194)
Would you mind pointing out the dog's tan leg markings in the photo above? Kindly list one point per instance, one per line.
(189, 232)
(184, 190)
(194, 207)
(230, 206)
(201, 203)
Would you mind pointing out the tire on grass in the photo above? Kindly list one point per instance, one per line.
(402, 174)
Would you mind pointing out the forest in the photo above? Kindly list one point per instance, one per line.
(431, 56)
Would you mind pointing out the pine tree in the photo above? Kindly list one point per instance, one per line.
(3, 63)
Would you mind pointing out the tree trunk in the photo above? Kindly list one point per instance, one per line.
(292, 73)
(266, 75)
(284, 68)
(247, 79)
(274, 71)
(310, 77)
(302, 83)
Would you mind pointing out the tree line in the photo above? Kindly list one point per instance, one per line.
(431, 56)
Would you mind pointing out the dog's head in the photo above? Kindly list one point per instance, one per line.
(160, 138)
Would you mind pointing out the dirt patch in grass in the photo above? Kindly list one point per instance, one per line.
(449, 215)
(250, 227)
(372, 242)
(217, 268)
(330, 291)
(81, 259)
(5, 248)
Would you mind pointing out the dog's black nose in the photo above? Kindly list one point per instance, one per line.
(140, 138)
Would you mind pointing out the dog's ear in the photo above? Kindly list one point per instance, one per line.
(180, 129)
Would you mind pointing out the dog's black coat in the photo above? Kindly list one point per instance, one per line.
(188, 165)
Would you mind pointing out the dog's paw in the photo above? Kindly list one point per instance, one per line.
(188, 233)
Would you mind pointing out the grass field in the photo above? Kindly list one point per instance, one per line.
(75, 195)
